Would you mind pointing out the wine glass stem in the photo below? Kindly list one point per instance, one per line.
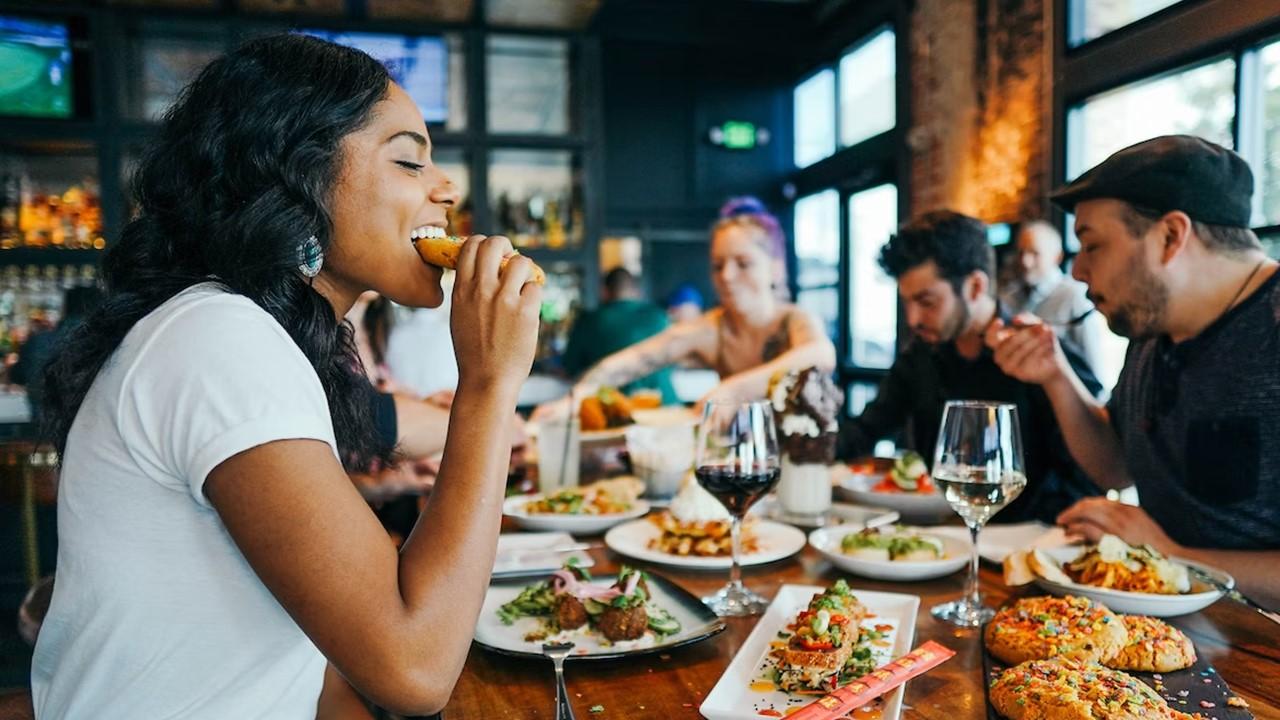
(971, 586)
(735, 570)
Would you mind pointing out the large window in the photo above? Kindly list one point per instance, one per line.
(528, 85)
(864, 106)
(845, 109)
(1199, 100)
(817, 239)
(873, 317)
(1089, 19)
(814, 110)
(868, 77)
(1266, 144)
(1232, 98)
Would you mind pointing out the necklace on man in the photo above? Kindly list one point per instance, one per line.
(1235, 298)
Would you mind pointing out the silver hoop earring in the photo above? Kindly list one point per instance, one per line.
(310, 257)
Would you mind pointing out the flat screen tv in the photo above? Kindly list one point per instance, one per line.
(419, 64)
(35, 68)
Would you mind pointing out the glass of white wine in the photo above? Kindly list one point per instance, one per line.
(978, 467)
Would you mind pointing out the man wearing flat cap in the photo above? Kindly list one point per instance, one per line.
(1194, 421)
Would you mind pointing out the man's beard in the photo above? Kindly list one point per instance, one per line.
(954, 325)
(1142, 315)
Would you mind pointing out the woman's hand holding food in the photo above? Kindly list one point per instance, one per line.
(495, 315)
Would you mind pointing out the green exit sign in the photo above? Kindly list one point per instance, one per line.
(738, 135)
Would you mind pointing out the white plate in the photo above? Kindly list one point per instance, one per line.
(1135, 603)
(522, 554)
(998, 541)
(733, 699)
(697, 622)
(774, 541)
(827, 542)
(513, 507)
(844, 514)
(914, 507)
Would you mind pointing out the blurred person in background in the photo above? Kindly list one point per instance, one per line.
(412, 427)
(38, 350)
(419, 350)
(622, 319)
(372, 319)
(684, 304)
(755, 333)
(1040, 287)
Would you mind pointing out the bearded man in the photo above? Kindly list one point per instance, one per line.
(944, 268)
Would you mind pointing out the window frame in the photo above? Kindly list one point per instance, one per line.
(835, 106)
(1074, 20)
(861, 43)
(1178, 37)
(878, 160)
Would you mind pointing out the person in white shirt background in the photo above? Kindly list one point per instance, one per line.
(1040, 287)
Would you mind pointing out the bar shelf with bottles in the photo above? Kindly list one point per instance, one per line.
(47, 214)
(31, 298)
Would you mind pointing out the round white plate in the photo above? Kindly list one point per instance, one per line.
(774, 541)
(513, 507)
(827, 542)
(913, 507)
(1135, 603)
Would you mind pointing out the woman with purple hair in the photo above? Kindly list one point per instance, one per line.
(755, 332)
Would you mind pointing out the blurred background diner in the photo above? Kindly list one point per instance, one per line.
(709, 185)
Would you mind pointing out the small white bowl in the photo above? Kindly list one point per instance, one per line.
(827, 542)
(513, 507)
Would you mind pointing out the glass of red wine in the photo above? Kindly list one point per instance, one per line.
(737, 462)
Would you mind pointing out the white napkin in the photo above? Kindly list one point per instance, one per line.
(527, 553)
(997, 541)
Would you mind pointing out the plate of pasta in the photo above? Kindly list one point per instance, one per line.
(1128, 579)
(584, 510)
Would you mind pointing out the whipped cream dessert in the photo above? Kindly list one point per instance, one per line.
(693, 504)
(806, 406)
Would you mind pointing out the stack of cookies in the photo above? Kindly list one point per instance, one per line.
(1067, 657)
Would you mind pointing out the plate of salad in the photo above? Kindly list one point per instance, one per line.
(905, 486)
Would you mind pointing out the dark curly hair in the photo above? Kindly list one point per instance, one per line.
(956, 243)
(242, 171)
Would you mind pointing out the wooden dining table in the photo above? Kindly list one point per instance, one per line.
(1243, 646)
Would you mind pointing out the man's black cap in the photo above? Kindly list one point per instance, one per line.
(1208, 182)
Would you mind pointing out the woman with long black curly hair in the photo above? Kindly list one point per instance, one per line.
(213, 552)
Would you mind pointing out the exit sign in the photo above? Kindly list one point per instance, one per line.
(738, 135)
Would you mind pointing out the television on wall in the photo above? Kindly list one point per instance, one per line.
(418, 63)
(35, 68)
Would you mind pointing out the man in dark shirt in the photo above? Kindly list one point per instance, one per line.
(1195, 419)
(944, 266)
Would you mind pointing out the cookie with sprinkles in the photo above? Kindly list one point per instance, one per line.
(1039, 628)
(1153, 646)
(1066, 689)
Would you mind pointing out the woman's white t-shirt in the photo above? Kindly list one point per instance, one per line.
(155, 612)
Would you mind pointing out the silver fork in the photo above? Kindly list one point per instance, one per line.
(1233, 593)
(558, 652)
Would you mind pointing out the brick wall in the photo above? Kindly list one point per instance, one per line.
(981, 107)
